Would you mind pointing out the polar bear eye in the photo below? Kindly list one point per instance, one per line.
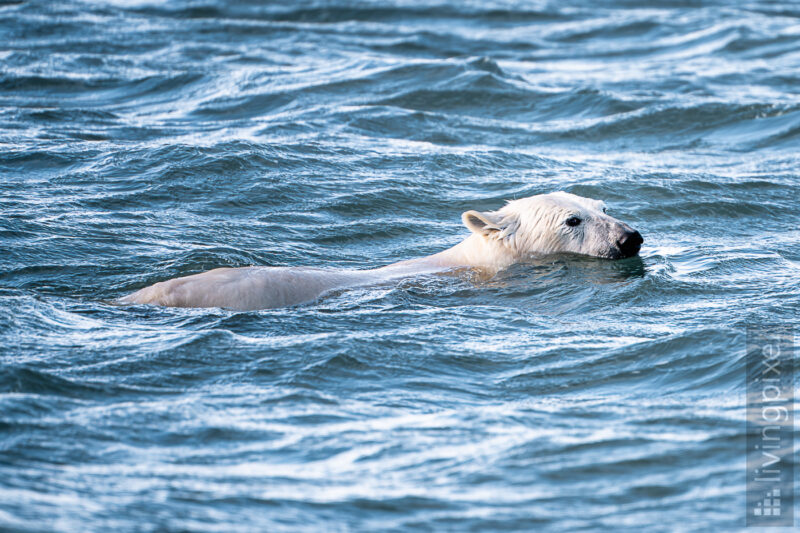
(605, 210)
(573, 221)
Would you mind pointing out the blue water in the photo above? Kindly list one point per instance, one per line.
(141, 141)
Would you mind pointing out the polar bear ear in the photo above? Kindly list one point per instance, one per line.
(492, 225)
(482, 223)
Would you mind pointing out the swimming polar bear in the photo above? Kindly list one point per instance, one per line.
(539, 225)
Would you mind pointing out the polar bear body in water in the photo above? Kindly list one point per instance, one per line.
(557, 222)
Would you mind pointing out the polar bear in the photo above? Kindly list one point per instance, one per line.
(545, 224)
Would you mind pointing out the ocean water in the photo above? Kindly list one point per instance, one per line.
(145, 140)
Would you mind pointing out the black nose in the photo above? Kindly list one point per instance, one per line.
(630, 243)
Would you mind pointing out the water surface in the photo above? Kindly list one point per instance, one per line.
(147, 140)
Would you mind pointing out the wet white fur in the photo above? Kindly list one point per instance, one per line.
(521, 229)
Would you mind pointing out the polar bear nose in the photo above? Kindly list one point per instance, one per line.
(630, 243)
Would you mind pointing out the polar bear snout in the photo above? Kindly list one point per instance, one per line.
(630, 243)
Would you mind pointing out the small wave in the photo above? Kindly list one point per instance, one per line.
(23, 380)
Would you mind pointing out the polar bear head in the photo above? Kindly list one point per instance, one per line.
(555, 223)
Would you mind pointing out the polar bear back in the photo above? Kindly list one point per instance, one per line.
(243, 288)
